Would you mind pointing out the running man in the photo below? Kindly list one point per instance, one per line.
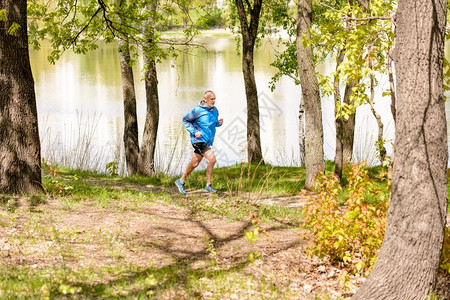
(201, 122)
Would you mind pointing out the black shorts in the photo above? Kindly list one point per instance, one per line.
(201, 148)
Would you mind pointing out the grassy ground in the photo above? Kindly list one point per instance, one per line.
(97, 236)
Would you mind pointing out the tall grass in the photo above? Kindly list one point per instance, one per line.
(75, 146)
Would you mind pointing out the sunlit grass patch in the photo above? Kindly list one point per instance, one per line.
(264, 179)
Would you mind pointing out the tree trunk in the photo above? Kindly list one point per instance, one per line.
(408, 260)
(380, 141)
(249, 34)
(348, 127)
(301, 133)
(314, 158)
(338, 158)
(345, 135)
(391, 86)
(254, 151)
(130, 131)
(20, 150)
(147, 153)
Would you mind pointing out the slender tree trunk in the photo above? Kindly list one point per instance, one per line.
(408, 260)
(130, 131)
(148, 147)
(345, 128)
(345, 133)
(348, 127)
(391, 86)
(254, 150)
(338, 158)
(301, 134)
(314, 158)
(249, 34)
(20, 150)
(380, 141)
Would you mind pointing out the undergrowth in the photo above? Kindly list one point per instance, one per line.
(348, 230)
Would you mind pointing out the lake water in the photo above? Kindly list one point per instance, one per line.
(80, 107)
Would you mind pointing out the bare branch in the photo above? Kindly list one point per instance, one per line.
(328, 6)
(74, 41)
(370, 18)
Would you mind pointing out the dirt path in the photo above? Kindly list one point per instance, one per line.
(155, 236)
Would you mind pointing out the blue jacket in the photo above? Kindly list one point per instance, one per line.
(204, 119)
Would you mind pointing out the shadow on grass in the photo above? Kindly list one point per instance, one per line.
(183, 277)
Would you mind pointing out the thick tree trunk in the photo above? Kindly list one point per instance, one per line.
(146, 160)
(20, 150)
(249, 34)
(130, 131)
(408, 260)
(314, 158)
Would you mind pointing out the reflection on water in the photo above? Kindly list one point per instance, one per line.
(82, 92)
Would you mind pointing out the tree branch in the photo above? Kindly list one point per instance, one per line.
(248, 4)
(370, 18)
(74, 41)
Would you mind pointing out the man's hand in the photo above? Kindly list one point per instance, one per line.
(220, 121)
(198, 134)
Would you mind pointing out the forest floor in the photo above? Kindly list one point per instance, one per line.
(139, 241)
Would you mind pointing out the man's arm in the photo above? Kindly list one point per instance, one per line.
(189, 119)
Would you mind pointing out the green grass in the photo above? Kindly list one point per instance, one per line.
(263, 179)
(73, 192)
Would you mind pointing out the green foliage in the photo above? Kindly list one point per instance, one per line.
(445, 256)
(3, 15)
(112, 168)
(350, 233)
(78, 25)
(211, 18)
(365, 37)
(265, 179)
(13, 28)
(57, 186)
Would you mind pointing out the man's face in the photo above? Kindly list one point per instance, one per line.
(210, 99)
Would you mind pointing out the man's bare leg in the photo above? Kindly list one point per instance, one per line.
(196, 159)
(211, 157)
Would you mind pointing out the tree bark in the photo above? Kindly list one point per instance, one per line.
(301, 132)
(338, 158)
(20, 150)
(130, 131)
(146, 160)
(345, 135)
(391, 86)
(348, 127)
(249, 34)
(314, 157)
(380, 141)
(408, 260)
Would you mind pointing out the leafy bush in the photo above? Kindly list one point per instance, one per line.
(352, 233)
